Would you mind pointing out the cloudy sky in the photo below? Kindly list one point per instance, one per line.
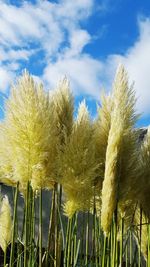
(82, 39)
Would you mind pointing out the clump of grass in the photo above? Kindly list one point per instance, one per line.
(91, 169)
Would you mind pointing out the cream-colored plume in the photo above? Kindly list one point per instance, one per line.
(78, 164)
(101, 132)
(122, 122)
(102, 127)
(5, 223)
(62, 102)
(27, 136)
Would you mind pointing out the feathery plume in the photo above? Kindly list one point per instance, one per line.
(122, 121)
(6, 172)
(70, 207)
(28, 136)
(62, 102)
(5, 223)
(78, 164)
(101, 132)
(102, 127)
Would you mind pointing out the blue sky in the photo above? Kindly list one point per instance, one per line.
(83, 39)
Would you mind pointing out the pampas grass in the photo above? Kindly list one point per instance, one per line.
(27, 136)
(79, 165)
(5, 223)
(120, 137)
(97, 169)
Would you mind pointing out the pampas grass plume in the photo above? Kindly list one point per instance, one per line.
(122, 121)
(101, 131)
(62, 102)
(78, 164)
(70, 207)
(27, 135)
(5, 223)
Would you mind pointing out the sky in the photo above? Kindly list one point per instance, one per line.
(84, 40)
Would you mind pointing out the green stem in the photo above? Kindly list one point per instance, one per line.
(40, 229)
(69, 243)
(5, 257)
(87, 241)
(93, 231)
(66, 244)
(111, 241)
(126, 252)
(121, 242)
(56, 224)
(117, 259)
(148, 245)
(14, 227)
(82, 238)
(60, 195)
(75, 237)
(104, 252)
(108, 248)
(77, 254)
(32, 228)
(26, 226)
(115, 240)
(100, 239)
(139, 263)
(131, 256)
(96, 242)
(72, 252)
(51, 220)
(19, 251)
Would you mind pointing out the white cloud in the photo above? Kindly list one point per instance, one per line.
(55, 29)
(89, 75)
(15, 55)
(43, 22)
(83, 72)
(75, 9)
(78, 39)
(6, 78)
(137, 63)
(41, 27)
